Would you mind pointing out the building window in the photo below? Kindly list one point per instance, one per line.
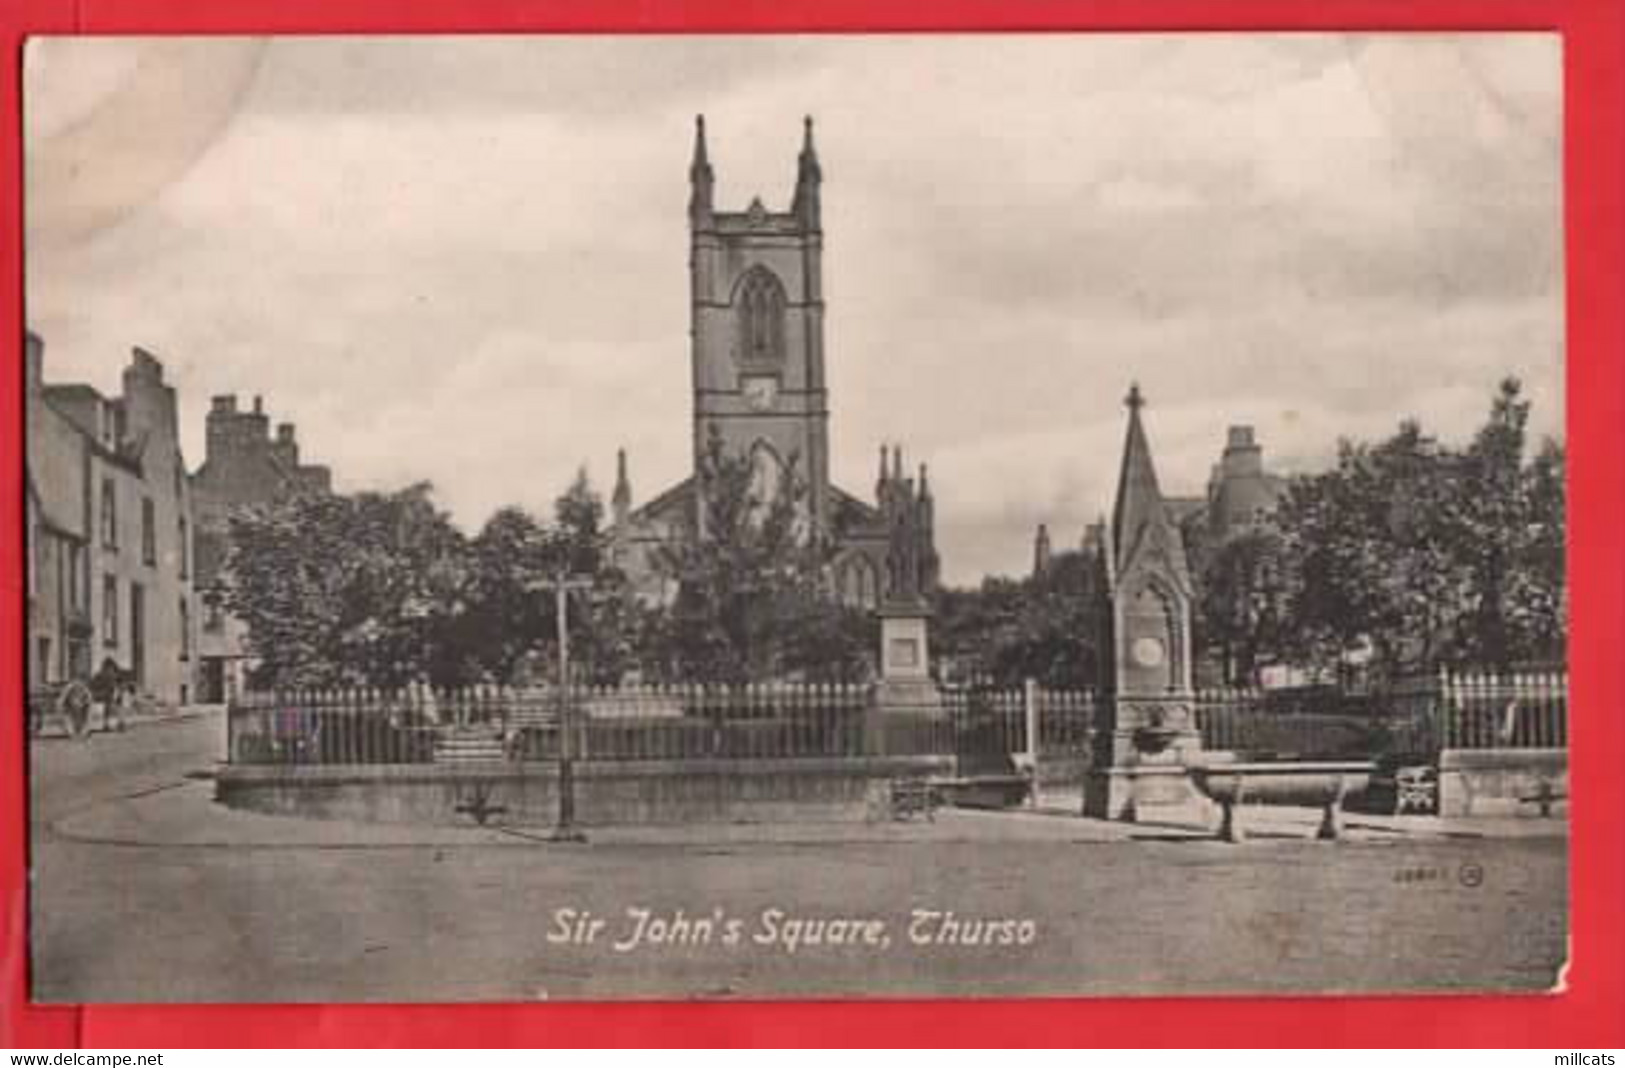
(78, 580)
(186, 549)
(109, 514)
(39, 561)
(214, 614)
(858, 583)
(761, 317)
(186, 630)
(149, 532)
(110, 610)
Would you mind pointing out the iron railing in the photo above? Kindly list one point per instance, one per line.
(985, 727)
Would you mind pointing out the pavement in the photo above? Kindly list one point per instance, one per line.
(182, 813)
(146, 889)
(55, 730)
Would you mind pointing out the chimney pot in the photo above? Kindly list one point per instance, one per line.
(1241, 437)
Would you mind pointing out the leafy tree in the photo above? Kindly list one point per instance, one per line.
(578, 535)
(1370, 554)
(753, 599)
(1509, 527)
(510, 614)
(347, 590)
(1410, 553)
(1538, 593)
(511, 626)
(607, 625)
(1242, 605)
(1043, 627)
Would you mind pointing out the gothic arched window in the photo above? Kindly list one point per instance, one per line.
(858, 583)
(760, 300)
(766, 476)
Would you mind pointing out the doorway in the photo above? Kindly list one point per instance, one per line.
(138, 636)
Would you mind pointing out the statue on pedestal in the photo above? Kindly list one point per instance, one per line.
(907, 696)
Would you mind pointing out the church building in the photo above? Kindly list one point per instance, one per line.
(758, 384)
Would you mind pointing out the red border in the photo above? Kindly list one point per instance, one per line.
(1587, 1015)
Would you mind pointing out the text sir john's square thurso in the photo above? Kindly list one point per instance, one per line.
(784, 932)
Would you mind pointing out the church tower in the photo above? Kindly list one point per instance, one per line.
(756, 351)
(757, 327)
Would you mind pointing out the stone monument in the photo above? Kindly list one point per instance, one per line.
(908, 703)
(1146, 734)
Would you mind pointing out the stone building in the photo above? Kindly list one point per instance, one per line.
(757, 359)
(110, 531)
(1241, 492)
(244, 464)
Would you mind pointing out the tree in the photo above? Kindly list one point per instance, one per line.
(1410, 553)
(1242, 605)
(512, 624)
(578, 536)
(1538, 594)
(509, 615)
(357, 590)
(1369, 556)
(1043, 627)
(607, 625)
(1509, 525)
(753, 599)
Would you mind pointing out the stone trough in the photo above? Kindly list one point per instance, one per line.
(1320, 783)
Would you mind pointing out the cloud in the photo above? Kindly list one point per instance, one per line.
(465, 259)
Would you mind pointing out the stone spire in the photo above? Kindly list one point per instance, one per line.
(927, 505)
(806, 205)
(1041, 551)
(1140, 518)
(1139, 499)
(700, 179)
(622, 497)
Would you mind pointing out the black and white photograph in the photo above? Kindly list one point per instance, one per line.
(519, 518)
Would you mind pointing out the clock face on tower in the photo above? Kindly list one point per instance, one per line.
(760, 392)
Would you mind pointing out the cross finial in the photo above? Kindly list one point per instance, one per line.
(1134, 400)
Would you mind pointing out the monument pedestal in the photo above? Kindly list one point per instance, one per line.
(1151, 790)
(1141, 771)
(909, 714)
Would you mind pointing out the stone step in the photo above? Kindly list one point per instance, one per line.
(469, 747)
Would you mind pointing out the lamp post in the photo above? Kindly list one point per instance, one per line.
(562, 583)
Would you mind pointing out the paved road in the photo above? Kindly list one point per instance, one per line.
(157, 908)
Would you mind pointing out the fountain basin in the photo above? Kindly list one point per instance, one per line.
(1321, 783)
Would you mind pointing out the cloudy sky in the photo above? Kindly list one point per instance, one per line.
(465, 259)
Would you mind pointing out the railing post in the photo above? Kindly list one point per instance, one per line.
(1445, 716)
(1029, 698)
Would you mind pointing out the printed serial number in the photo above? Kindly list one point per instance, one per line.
(1421, 874)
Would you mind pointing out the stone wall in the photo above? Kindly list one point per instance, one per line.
(1503, 782)
(607, 793)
